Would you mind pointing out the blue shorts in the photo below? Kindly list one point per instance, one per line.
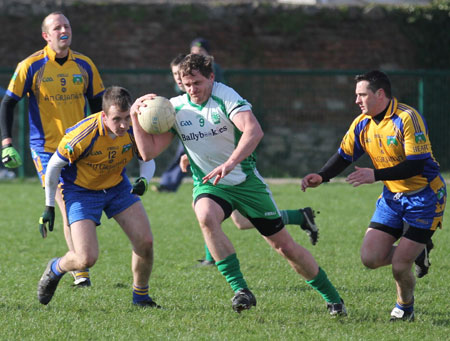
(82, 203)
(40, 160)
(424, 210)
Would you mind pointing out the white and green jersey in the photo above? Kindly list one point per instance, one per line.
(209, 135)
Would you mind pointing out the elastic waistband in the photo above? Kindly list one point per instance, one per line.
(414, 192)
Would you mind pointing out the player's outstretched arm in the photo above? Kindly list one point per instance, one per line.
(361, 176)
(252, 133)
(311, 180)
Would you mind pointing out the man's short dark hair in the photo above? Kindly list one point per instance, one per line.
(377, 80)
(198, 62)
(118, 96)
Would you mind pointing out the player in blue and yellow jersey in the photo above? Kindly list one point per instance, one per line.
(411, 206)
(60, 84)
(91, 160)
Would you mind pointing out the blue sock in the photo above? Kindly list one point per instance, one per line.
(406, 307)
(56, 269)
(140, 293)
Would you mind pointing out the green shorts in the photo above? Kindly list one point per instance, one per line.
(252, 198)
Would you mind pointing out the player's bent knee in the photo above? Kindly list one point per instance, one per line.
(206, 226)
(369, 265)
(369, 262)
(86, 261)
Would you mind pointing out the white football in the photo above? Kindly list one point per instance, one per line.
(158, 116)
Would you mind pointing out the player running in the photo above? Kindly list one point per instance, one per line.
(411, 206)
(59, 83)
(91, 160)
(220, 134)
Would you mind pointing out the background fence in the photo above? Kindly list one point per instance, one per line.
(304, 114)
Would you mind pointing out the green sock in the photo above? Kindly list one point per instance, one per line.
(208, 255)
(229, 267)
(292, 217)
(322, 284)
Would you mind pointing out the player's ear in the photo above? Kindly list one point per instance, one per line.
(45, 36)
(380, 93)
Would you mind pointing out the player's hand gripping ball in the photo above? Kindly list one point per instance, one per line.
(158, 116)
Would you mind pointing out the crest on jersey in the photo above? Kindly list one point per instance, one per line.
(77, 79)
(392, 140)
(420, 137)
(126, 148)
(69, 148)
(215, 117)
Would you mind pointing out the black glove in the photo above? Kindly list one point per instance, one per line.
(47, 217)
(140, 186)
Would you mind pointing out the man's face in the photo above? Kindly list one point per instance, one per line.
(198, 86)
(368, 101)
(116, 121)
(58, 33)
(177, 77)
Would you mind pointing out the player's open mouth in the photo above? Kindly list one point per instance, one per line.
(64, 37)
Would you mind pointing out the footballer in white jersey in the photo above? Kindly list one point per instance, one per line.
(220, 134)
(208, 133)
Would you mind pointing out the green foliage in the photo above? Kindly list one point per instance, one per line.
(196, 301)
(428, 27)
(283, 22)
(138, 14)
(190, 13)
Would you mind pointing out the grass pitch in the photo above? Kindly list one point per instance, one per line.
(197, 301)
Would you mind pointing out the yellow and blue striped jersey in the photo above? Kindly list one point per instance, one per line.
(96, 160)
(57, 94)
(401, 135)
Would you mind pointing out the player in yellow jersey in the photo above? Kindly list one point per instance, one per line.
(60, 84)
(411, 206)
(91, 160)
